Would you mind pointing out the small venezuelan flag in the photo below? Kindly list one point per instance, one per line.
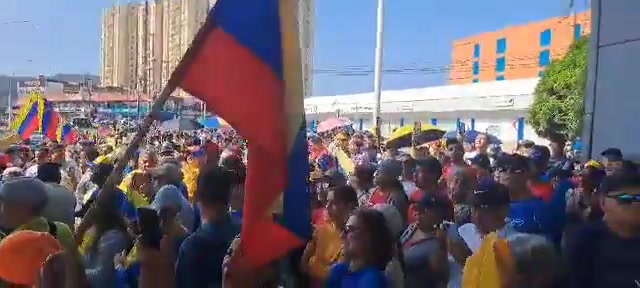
(67, 134)
(245, 64)
(51, 121)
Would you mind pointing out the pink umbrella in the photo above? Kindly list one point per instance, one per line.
(333, 123)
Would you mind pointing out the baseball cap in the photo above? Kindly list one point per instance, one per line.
(490, 194)
(481, 160)
(23, 254)
(364, 170)
(432, 201)
(431, 164)
(393, 168)
(335, 178)
(169, 196)
(24, 190)
(539, 153)
(612, 152)
(617, 183)
(167, 169)
(513, 163)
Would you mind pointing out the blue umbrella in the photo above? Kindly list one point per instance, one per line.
(179, 124)
(471, 135)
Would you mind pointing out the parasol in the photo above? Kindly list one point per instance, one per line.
(179, 124)
(333, 123)
(401, 137)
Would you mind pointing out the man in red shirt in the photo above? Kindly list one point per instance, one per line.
(427, 176)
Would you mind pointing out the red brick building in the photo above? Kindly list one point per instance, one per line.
(516, 52)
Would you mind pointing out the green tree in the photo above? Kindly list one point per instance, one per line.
(558, 105)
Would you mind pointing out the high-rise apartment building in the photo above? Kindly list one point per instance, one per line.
(119, 46)
(143, 55)
(516, 52)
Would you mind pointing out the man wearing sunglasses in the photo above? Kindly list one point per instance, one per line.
(607, 253)
(528, 212)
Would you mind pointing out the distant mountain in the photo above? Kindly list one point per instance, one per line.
(8, 84)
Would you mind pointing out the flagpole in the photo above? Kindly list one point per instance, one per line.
(10, 100)
(377, 81)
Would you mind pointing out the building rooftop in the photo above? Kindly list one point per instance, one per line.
(483, 89)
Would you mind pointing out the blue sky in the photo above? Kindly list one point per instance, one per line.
(64, 36)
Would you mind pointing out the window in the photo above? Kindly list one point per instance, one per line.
(476, 68)
(545, 58)
(500, 64)
(501, 46)
(500, 78)
(545, 38)
(578, 31)
(540, 74)
(476, 50)
(475, 80)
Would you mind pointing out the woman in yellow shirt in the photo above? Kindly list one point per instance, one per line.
(325, 248)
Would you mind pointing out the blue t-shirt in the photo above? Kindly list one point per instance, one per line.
(530, 216)
(127, 208)
(369, 277)
(196, 218)
(199, 262)
(558, 209)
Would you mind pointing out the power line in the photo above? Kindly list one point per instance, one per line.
(530, 60)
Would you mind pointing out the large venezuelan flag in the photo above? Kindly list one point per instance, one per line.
(245, 64)
(28, 120)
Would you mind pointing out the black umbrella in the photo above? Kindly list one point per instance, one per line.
(179, 124)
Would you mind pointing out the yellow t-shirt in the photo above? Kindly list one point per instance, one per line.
(481, 270)
(134, 196)
(328, 250)
(40, 224)
(191, 173)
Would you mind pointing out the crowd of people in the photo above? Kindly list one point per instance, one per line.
(447, 214)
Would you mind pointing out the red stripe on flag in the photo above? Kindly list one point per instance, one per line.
(54, 121)
(30, 128)
(246, 93)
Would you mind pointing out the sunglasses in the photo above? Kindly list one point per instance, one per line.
(625, 199)
(509, 170)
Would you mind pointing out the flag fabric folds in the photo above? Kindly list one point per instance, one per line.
(66, 134)
(51, 121)
(245, 65)
(39, 115)
(28, 120)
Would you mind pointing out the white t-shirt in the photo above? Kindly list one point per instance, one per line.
(32, 171)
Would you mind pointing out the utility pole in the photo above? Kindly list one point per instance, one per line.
(377, 86)
(10, 100)
(145, 69)
(575, 18)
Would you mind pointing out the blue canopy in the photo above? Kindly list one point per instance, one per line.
(211, 122)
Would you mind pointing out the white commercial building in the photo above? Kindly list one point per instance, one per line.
(499, 108)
